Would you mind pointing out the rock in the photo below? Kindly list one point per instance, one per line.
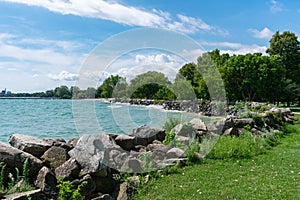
(105, 185)
(88, 188)
(132, 165)
(29, 144)
(145, 135)
(68, 170)
(241, 123)
(117, 159)
(72, 142)
(92, 153)
(33, 194)
(55, 156)
(183, 140)
(230, 131)
(223, 125)
(257, 132)
(175, 153)
(185, 130)
(158, 147)
(123, 191)
(198, 124)
(58, 142)
(46, 181)
(14, 157)
(126, 142)
(103, 197)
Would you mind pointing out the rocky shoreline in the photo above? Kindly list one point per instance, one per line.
(99, 159)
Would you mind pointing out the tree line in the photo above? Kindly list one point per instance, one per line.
(252, 77)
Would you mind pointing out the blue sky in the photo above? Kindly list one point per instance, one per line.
(44, 43)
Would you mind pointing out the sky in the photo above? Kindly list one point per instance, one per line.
(46, 43)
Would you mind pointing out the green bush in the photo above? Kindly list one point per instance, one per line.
(67, 191)
(192, 151)
(244, 146)
(169, 138)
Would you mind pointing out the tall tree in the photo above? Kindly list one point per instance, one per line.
(107, 87)
(288, 47)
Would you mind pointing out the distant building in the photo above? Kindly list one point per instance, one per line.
(3, 91)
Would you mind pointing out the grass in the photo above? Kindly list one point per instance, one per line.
(273, 175)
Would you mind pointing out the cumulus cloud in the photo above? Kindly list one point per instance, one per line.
(122, 14)
(63, 76)
(236, 48)
(157, 59)
(263, 34)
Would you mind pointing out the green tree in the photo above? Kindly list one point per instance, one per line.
(107, 87)
(288, 47)
(63, 92)
(146, 85)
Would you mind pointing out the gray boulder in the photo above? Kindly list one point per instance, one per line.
(14, 157)
(88, 188)
(55, 156)
(58, 142)
(145, 135)
(92, 153)
(46, 181)
(68, 170)
(158, 147)
(175, 153)
(29, 144)
(132, 165)
(198, 124)
(185, 130)
(126, 142)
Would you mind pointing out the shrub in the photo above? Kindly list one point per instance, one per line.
(192, 151)
(169, 138)
(67, 191)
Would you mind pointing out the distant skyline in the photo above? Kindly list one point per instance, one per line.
(43, 44)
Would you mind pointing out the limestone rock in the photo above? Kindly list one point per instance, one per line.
(55, 156)
(68, 170)
(29, 144)
(58, 142)
(86, 189)
(92, 153)
(175, 153)
(14, 157)
(198, 124)
(185, 130)
(145, 135)
(126, 142)
(46, 181)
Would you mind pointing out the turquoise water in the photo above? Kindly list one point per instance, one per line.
(68, 119)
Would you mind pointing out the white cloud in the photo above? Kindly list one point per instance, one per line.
(64, 76)
(157, 59)
(263, 34)
(275, 6)
(236, 48)
(122, 14)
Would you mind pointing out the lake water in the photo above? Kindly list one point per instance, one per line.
(67, 119)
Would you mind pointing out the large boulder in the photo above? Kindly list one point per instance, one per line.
(14, 157)
(175, 153)
(47, 181)
(145, 135)
(198, 124)
(86, 189)
(241, 123)
(29, 144)
(125, 141)
(58, 142)
(68, 171)
(92, 153)
(55, 156)
(185, 130)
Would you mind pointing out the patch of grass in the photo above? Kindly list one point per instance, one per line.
(244, 146)
(273, 175)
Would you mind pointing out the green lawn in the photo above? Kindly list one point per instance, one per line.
(274, 175)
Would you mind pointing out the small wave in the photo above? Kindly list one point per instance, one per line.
(114, 106)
